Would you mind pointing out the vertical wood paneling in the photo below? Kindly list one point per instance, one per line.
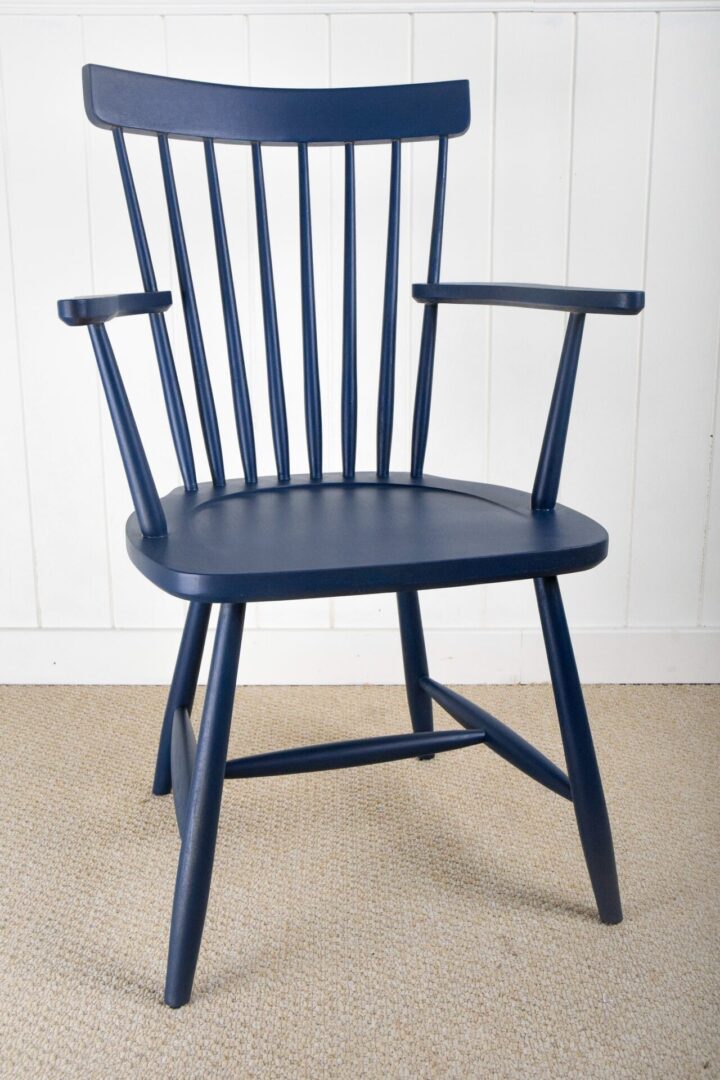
(367, 50)
(294, 51)
(456, 48)
(211, 49)
(709, 613)
(531, 184)
(550, 184)
(679, 356)
(41, 60)
(130, 42)
(18, 601)
(614, 69)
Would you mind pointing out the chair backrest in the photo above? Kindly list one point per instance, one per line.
(166, 109)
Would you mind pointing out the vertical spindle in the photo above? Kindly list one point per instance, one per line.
(386, 390)
(423, 392)
(236, 359)
(349, 355)
(206, 404)
(276, 391)
(168, 374)
(313, 411)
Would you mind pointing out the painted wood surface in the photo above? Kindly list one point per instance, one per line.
(593, 158)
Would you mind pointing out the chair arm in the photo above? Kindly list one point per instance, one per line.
(553, 297)
(93, 310)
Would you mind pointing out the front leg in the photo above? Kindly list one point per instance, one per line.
(192, 887)
(583, 772)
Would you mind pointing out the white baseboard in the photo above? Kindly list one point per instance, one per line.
(363, 656)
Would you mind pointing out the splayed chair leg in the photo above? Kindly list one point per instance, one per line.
(582, 766)
(182, 688)
(192, 887)
(415, 663)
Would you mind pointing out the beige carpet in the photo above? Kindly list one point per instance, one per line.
(413, 920)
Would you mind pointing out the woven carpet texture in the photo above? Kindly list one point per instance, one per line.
(415, 920)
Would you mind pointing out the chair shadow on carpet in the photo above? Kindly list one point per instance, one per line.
(453, 866)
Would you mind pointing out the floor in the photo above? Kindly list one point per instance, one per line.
(414, 920)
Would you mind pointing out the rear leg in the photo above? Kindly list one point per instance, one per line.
(415, 663)
(182, 689)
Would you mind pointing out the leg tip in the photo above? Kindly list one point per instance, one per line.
(162, 781)
(611, 913)
(176, 1001)
(426, 757)
(178, 986)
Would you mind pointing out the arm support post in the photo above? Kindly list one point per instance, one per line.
(547, 478)
(142, 486)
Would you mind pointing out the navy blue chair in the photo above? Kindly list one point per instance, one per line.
(313, 534)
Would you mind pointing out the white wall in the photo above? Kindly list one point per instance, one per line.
(593, 158)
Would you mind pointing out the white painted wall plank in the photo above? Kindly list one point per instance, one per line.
(294, 52)
(135, 43)
(208, 49)
(367, 50)
(677, 381)
(18, 599)
(531, 182)
(217, 50)
(41, 59)
(70, 234)
(709, 614)
(459, 48)
(614, 70)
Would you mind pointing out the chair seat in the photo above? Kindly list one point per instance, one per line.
(282, 541)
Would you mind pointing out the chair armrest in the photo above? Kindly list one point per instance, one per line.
(92, 310)
(553, 297)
